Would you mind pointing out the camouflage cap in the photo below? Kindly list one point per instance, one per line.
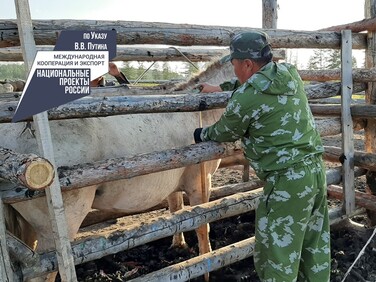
(249, 45)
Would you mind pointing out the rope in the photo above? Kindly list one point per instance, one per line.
(360, 254)
(142, 75)
(185, 57)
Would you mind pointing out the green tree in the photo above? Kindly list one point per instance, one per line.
(327, 59)
(292, 57)
(333, 59)
(129, 71)
(156, 72)
(318, 60)
(165, 71)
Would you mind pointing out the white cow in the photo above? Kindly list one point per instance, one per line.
(92, 139)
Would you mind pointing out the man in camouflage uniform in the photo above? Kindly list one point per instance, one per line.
(269, 112)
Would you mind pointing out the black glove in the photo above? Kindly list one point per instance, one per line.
(122, 79)
(197, 135)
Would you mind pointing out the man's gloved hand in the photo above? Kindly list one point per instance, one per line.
(197, 135)
(208, 88)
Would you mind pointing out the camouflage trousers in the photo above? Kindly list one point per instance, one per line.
(292, 225)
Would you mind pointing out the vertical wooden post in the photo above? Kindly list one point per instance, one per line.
(6, 271)
(269, 14)
(269, 21)
(53, 193)
(347, 123)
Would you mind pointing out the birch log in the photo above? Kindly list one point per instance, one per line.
(363, 200)
(357, 111)
(359, 75)
(358, 26)
(197, 266)
(27, 170)
(137, 53)
(131, 32)
(82, 175)
(115, 105)
(361, 159)
(146, 53)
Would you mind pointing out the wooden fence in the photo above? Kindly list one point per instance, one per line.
(29, 264)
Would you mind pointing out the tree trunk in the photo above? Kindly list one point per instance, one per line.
(27, 170)
(361, 159)
(129, 32)
(116, 105)
(361, 199)
(88, 174)
(363, 25)
(359, 75)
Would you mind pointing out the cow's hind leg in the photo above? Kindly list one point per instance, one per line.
(197, 187)
(198, 192)
(175, 203)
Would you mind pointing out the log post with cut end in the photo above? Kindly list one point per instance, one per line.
(28, 170)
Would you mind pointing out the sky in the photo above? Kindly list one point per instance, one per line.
(292, 14)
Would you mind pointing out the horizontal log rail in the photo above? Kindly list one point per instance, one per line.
(132, 32)
(361, 159)
(313, 91)
(328, 126)
(102, 107)
(116, 105)
(363, 200)
(93, 106)
(88, 174)
(329, 89)
(18, 249)
(202, 264)
(359, 75)
(197, 54)
(357, 110)
(358, 26)
(146, 53)
(136, 53)
(27, 170)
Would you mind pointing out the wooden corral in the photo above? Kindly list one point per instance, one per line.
(24, 263)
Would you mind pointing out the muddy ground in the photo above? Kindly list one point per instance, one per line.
(346, 244)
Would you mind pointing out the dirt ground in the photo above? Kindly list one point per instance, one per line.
(346, 244)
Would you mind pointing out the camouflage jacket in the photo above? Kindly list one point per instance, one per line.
(271, 116)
